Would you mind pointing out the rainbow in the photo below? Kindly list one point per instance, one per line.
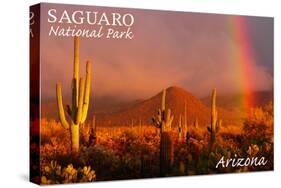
(242, 58)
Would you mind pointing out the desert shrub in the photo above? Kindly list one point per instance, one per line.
(104, 160)
(133, 152)
(52, 129)
(130, 156)
(258, 127)
(54, 173)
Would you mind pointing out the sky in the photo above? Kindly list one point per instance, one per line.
(190, 50)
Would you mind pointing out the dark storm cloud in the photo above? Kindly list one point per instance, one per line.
(185, 49)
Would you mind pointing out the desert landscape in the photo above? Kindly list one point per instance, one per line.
(172, 133)
(137, 148)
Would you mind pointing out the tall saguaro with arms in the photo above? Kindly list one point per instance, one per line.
(163, 121)
(78, 110)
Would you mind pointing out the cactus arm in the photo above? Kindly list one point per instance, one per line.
(159, 116)
(219, 124)
(155, 122)
(213, 129)
(170, 121)
(180, 125)
(60, 107)
(216, 120)
(163, 112)
(74, 86)
(76, 57)
(76, 69)
(87, 93)
(168, 115)
(80, 101)
(163, 100)
(214, 110)
(164, 118)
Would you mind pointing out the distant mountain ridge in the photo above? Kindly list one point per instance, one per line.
(176, 98)
(141, 111)
(233, 101)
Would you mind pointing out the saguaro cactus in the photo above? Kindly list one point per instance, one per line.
(80, 100)
(164, 121)
(213, 129)
(185, 115)
(93, 132)
(182, 125)
(180, 129)
(166, 153)
(164, 118)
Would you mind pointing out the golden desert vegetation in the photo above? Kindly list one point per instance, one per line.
(77, 149)
(143, 151)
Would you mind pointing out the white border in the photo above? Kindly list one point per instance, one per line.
(14, 94)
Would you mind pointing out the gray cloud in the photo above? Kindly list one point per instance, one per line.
(184, 49)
